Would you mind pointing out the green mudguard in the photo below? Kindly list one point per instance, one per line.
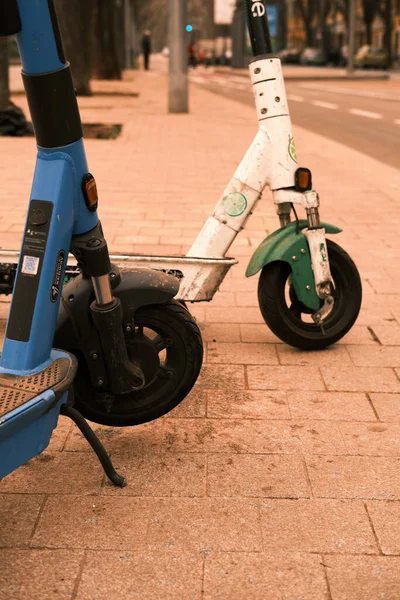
(289, 244)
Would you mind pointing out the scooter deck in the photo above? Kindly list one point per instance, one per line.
(29, 409)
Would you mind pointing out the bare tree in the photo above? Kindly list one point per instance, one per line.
(370, 10)
(308, 10)
(75, 17)
(12, 119)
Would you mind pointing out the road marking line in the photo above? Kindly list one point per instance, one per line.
(365, 113)
(295, 98)
(349, 91)
(197, 79)
(325, 104)
(397, 121)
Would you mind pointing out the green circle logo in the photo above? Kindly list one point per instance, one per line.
(292, 149)
(235, 204)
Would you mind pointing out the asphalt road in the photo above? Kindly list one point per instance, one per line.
(362, 115)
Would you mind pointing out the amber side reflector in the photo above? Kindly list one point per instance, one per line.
(89, 190)
(303, 180)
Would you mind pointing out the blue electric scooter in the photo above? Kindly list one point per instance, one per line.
(129, 352)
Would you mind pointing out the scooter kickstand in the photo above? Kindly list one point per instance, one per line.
(96, 444)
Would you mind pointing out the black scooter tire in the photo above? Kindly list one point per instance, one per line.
(285, 321)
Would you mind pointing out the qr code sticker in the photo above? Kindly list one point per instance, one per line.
(30, 265)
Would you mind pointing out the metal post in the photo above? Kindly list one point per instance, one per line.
(178, 80)
(352, 31)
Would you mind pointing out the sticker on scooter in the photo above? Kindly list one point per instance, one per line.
(235, 204)
(30, 265)
(322, 249)
(292, 149)
(55, 287)
(257, 8)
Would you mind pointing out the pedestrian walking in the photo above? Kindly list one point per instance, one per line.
(146, 49)
(192, 58)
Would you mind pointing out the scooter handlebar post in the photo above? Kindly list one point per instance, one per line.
(257, 22)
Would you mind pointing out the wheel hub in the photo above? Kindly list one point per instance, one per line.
(142, 352)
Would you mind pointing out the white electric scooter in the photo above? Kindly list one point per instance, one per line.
(309, 289)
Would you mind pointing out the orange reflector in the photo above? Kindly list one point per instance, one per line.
(303, 180)
(89, 190)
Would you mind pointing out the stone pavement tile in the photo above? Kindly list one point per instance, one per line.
(375, 356)
(299, 437)
(220, 332)
(246, 299)
(209, 435)
(57, 473)
(285, 378)
(387, 406)
(269, 476)
(257, 333)
(354, 476)
(240, 284)
(385, 516)
(316, 526)
(379, 318)
(330, 406)
(171, 474)
(371, 439)
(126, 523)
(18, 514)
(149, 575)
(333, 355)
(360, 379)
(60, 434)
(233, 314)
(193, 406)
(387, 334)
(264, 576)
(241, 353)
(224, 299)
(358, 334)
(225, 377)
(363, 577)
(38, 574)
(247, 405)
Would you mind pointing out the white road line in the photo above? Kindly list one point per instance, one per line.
(365, 113)
(397, 122)
(325, 104)
(295, 98)
(349, 91)
(197, 79)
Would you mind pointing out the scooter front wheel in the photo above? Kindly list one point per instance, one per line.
(291, 321)
(166, 343)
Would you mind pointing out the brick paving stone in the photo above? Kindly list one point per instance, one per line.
(385, 517)
(18, 514)
(209, 435)
(284, 378)
(387, 334)
(233, 314)
(360, 379)
(330, 406)
(358, 334)
(226, 377)
(245, 354)
(172, 474)
(371, 439)
(270, 476)
(56, 473)
(375, 356)
(316, 526)
(220, 332)
(306, 437)
(39, 574)
(362, 577)
(334, 355)
(193, 406)
(126, 523)
(257, 333)
(149, 575)
(247, 405)
(262, 576)
(354, 476)
(60, 434)
(387, 406)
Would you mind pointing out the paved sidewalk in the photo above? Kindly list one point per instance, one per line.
(279, 476)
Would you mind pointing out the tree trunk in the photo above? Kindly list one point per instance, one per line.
(105, 45)
(4, 81)
(75, 24)
(368, 32)
(387, 38)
